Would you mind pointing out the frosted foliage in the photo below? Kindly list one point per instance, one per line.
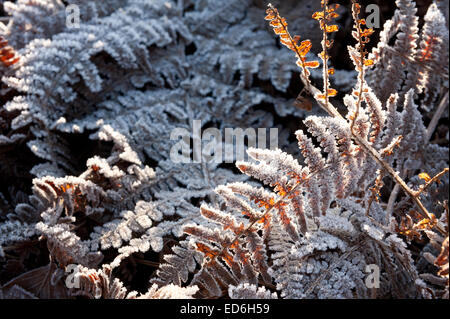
(89, 119)
(169, 292)
(247, 291)
(420, 51)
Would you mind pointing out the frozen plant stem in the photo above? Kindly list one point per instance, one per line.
(324, 52)
(431, 181)
(361, 73)
(437, 116)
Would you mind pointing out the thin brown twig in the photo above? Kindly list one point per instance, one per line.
(325, 56)
(361, 72)
(437, 116)
(430, 130)
(148, 262)
(375, 191)
(431, 181)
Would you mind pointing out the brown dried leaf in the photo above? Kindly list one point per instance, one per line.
(38, 283)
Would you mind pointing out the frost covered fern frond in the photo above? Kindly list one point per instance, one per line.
(419, 52)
